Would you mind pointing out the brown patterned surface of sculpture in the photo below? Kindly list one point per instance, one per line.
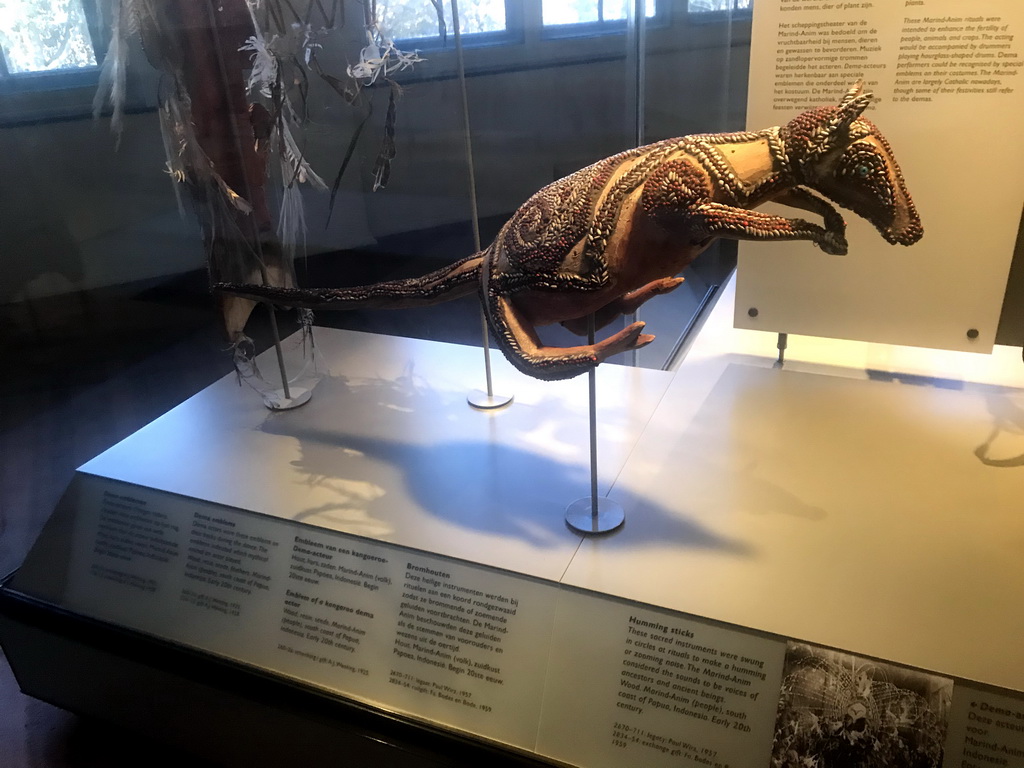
(609, 237)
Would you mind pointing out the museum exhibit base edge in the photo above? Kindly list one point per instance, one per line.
(817, 562)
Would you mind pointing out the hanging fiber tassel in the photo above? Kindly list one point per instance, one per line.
(113, 82)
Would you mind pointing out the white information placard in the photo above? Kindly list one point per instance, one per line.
(985, 729)
(449, 643)
(572, 676)
(949, 89)
(630, 685)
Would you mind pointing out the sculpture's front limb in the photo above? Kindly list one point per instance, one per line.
(718, 220)
(678, 197)
(804, 199)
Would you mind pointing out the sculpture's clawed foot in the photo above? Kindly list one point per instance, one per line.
(623, 305)
(629, 338)
(631, 301)
(524, 349)
(833, 242)
(652, 289)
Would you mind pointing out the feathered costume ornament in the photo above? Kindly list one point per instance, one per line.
(230, 72)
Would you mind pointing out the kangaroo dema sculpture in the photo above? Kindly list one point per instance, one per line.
(609, 237)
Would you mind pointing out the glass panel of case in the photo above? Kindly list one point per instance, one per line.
(232, 133)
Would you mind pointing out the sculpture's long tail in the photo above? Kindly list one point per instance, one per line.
(451, 282)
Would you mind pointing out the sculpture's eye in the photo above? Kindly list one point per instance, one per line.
(863, 171)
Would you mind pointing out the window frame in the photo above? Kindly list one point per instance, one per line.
(68, 94)
(513, 34)
(516, 33)
(48, 80)
(660, 18)
(536, 48)
(712, 17)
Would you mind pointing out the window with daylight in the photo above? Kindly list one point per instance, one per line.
(418, 19)
(559, 12)
(719, 6)
(39, 36)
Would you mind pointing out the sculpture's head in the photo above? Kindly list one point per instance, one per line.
(844, 156)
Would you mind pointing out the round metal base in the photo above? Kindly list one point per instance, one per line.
(580, 515)
(484, 402)
(276, 401)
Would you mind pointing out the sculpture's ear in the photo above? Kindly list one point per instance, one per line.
(851, 107)
(821, 135)
(854, 92)
(834, 135)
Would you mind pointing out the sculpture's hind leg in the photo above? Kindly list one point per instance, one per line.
(524, 349)
(624, 305)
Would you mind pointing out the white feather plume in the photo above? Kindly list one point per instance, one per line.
(113, 82)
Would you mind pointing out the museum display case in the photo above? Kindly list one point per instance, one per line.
(817, 458)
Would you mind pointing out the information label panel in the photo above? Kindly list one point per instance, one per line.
(986, 729)
(450, 643)
(576, 677)
(635, 686)
(945, 74)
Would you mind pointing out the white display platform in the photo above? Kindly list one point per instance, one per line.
(855, 514)
(391, 545)
(387, 448)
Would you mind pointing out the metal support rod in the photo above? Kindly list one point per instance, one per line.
(592, 376)
(487, 352)
(594, 514)
(636, 45)
(781, 346)
(473, 209)
(276, 335)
